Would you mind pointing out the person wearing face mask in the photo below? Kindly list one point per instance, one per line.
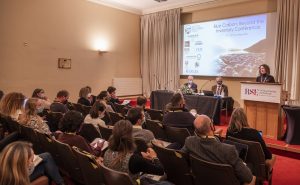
(20, 166)
(177, 115)
(40, 94)
(104, 98)
(60, 103)
(31, 118)
(220, 89)
(96, 113)
(191, 84)
(264, 74)
(137, 118)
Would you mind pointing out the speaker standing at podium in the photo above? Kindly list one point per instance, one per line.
(264, 74)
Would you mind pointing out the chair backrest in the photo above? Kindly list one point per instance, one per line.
(9, 139)
(77, 107)
(178, 135)
(105, 132)
(48, 145)
(112, 177)
(29, 134)
(68, 161)
(241, 148)
(53, 119)
(91, 171)
(156, 128)
(120, 108)
(85, 110)
(155, 114)
(89, 132)
(115, 117)
(11, 124)
(175, 165)
(209, 173)
(255, 157)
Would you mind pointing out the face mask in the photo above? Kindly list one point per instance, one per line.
(219, 83)
(190, 81)
(40, 109)
(30, 168)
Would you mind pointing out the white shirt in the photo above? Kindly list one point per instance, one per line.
(94, 121)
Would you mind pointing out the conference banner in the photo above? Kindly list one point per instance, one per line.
(261, 92)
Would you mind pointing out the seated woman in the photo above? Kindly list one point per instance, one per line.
(239, 128)
(12, 105)
(31, 118)
(40, 94)
(84, 96)
(96, 113)
(69, 126)
(19, 166)
(121, 155)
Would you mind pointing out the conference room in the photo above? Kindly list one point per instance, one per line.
(184, 73)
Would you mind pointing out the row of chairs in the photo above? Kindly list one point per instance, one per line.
(73, 162)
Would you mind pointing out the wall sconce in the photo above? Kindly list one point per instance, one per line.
(101, 46)
(102, 52)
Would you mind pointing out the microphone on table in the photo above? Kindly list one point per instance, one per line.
(204, 84)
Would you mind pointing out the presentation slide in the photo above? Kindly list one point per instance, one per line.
(232, 47)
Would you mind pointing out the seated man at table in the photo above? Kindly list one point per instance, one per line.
(177, 115)
(220, 89)
(191, 84)
(207, 147)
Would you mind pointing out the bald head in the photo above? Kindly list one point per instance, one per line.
(203, 125)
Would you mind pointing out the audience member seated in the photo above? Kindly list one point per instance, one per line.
(141, 103)
(104, 98)
(1, 94)
(177, 115)
(60, 103)
(207, 147)
(96, 113)
(239, 128)
(92, 97)
(113, 95)
(121, 155)
(40, 94)
(19, 165)
(137, 118)
(190, 84)
(84, 97)
(220, 89)
(69, 126)
(31, 118)
(12, 105)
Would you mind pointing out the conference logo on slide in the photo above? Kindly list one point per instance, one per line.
(251, 92)
(188, 29)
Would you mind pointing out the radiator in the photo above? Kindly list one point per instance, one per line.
(128, 86)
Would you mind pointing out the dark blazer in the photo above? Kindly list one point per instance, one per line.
(265, 79)
(212, 150)
(224, 89)
(84, 101)
(193, 87)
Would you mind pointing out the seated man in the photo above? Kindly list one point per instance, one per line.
(141, 103)
(112, 93)
(191, 84)
(205, 146)
(136, 117)
(59, 104)
(177, 115)
(220, 89)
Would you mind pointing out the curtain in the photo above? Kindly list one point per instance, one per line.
(160, 39)
(287, 60)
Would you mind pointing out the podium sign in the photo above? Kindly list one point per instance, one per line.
(261, 92)
(262, 105)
